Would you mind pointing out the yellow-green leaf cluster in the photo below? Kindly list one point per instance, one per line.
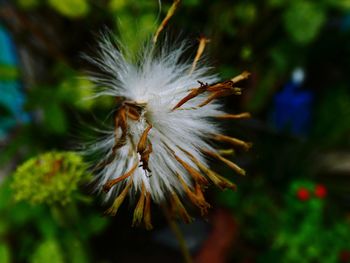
(50, 178)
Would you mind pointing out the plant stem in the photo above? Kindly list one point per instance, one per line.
(179, 236)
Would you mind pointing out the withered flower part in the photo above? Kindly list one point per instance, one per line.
(163, 127)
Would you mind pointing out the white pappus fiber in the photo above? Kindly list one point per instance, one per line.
(163, 125)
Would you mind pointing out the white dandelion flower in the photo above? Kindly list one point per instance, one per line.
(164, 124)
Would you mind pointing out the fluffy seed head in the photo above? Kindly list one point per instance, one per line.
(163, 124)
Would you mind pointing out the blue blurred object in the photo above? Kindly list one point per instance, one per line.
(292, 107)
(345, 23)
(194, 234)
(11, 95)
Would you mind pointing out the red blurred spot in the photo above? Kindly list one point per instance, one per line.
(320, 191)
(303, 194)
(217, 247)
(344, 256)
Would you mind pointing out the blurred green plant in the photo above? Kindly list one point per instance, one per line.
(28, 4)
(48, 251)
(8, 73)
(70, 8)
(303, 20)
(304, 234)
(332, 115)
(299, 228)
(50, 178)
(135, 22)
(4, 253)
(47, 231)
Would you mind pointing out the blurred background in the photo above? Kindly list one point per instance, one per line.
(294, 203)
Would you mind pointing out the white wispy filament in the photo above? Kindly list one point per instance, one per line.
(163, 126)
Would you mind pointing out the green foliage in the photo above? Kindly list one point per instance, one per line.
(48, 251)
(60, 232)
(304, 234)
(297, 228)
(73, 90)
(263, 92)
(277, 3)
(192, 3)
(134, 30)
(70, 8)
(117, 5)
(334, 122)
(75, 250)
(55, 118)
(49, 178)
(77, 91)
(303, 20)
(4, 253)
(343, 4)
(246, 12)
(28, 4)
(8, 73)
(258, 215)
